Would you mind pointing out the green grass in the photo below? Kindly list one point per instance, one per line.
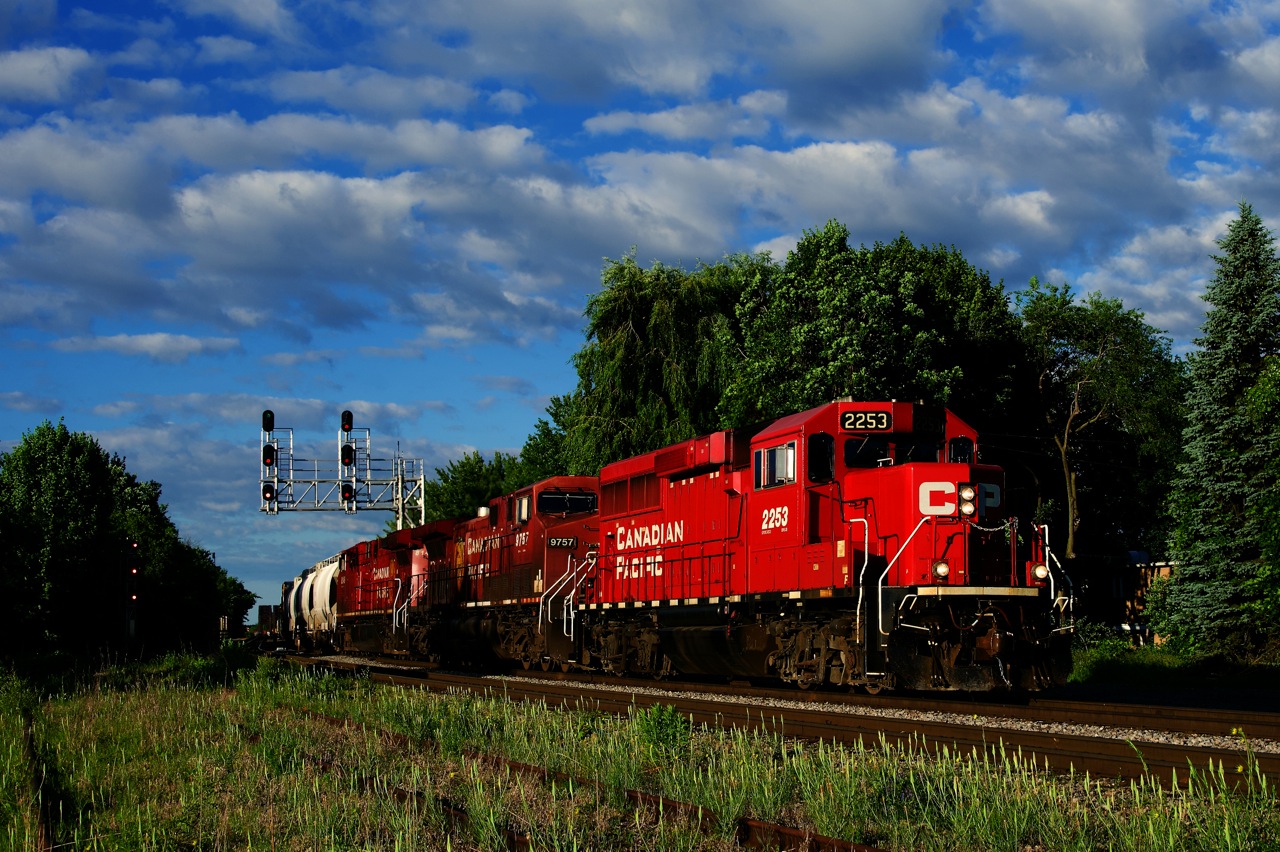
(174, 760)
(1104, 660)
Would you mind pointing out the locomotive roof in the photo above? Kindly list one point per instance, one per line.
(791, 423)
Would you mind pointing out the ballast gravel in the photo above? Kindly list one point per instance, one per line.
(1137, 735)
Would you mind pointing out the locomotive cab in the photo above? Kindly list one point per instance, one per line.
(943, 603)
(520, 552)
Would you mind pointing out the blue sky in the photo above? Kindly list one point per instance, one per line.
(211, 207)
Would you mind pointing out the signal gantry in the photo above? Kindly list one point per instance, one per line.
(358, 480)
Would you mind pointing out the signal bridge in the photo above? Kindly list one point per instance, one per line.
(349, 481)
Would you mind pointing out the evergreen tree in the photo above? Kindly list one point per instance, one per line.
(1215, 601)
(1264, 401)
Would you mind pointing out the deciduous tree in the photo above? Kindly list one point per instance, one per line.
(653, 368)
(70, 517)
(462, 486)
(891, 321)
(1102, 373)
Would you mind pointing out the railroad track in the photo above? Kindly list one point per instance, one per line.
(1123, 752)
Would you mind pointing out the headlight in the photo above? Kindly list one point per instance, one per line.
(968, 493)
(941, 569)
(1041, 572)
(968, 500)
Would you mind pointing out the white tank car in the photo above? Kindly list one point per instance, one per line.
(321, 599)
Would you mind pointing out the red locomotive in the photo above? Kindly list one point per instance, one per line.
(856, 543)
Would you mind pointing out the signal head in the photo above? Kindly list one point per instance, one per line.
(348, 492)
(348, 421)
(268, 455)
(348, 455)
(268, 492)
(268, 420)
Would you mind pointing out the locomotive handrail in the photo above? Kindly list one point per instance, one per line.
(880, 583)
(880, 593)
(551, 590)
(866, 541)
(1064, 604)
(559, 584)
(570, 613)
(396, 609)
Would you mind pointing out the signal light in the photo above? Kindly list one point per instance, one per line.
(268, 420)
(268, 455)
(348, 492)
(348, 421)
(268, 492)
(348, 455)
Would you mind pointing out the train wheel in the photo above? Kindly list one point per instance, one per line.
(545, 664)
(873, 688)
(526, 664)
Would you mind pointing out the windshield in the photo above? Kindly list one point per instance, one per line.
(566, 503)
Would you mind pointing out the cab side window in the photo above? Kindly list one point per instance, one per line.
(776, 465)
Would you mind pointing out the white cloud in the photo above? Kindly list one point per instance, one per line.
(29, 403)
(263, 16)
(42, 75)
(217, 50)
(159, 346)
(1027, 210)
(1163, 271)
(510, 101)
(747, 117)
(363, 90)
(1262, 62)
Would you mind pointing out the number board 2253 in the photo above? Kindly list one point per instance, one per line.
(866, 421)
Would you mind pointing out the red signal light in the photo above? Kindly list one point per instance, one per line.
(348, 492)
(268, 492)
(268, 455)
(348, 421)
(348, 455)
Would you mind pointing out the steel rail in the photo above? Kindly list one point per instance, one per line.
(1057, 752)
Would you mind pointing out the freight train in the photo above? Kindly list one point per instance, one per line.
(857, 544)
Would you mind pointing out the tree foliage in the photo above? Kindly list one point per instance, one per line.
(1102, 373)
(1222, 595)
(462, 486)
(891, 321)
(69, 514)
(1264, 407)
(653, 368)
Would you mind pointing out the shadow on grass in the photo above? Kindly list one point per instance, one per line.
(1153, 673)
